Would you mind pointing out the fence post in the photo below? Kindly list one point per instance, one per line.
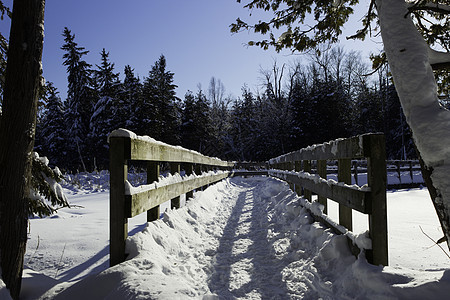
(153, 170)
(355, 171)
(374, 150)
(322, 171)
(298, 168)
(206, 168)
(307, 168)
(290, 167)
(118, 222)
(345, 175)
(198, 172)
(175, 168)
(189, 170)
(411, 171)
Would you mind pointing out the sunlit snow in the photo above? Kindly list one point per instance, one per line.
(242, 238)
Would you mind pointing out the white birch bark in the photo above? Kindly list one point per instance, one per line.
(409, 59)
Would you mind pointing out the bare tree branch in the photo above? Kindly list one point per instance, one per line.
(430, 6)
(437, 243)
(439, 60)
(360, 33)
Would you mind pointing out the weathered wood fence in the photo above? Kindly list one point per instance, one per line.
(295, 168)
(127, 203)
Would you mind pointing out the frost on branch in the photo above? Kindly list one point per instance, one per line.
(46, 194)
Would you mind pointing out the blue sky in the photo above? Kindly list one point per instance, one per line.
(193, 35)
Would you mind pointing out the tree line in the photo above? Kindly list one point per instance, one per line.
(328, 97)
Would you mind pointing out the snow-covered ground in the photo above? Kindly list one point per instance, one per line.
(240, 238)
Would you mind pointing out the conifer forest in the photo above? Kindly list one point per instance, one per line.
(326, 96)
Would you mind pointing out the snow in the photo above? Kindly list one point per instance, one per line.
(167, 180)
(317, 179)
(129, 134)
(242, 238)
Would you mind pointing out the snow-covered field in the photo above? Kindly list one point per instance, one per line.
(241, 238)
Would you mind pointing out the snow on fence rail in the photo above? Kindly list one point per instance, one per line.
(295, 168)
(127, 202)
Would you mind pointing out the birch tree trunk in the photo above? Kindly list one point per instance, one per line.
(409, 58)
(17, 129)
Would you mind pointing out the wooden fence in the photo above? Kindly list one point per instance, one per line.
(295, 168)
(401, 169)
(124, 204)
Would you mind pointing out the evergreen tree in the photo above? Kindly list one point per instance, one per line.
(51, 130)
(370, 112)
(195, 122)
(244, 128)
(160, 108)
(332, 107)
(107, 81)
(399, 142)
(79, 100)
(104, 116)
(303, 114)
(130, 96)
(46, 194)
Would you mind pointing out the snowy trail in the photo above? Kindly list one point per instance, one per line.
(246, 238)
(230, 245)
(244, 260)
(252, 255)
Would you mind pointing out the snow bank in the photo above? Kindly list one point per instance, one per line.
(248, 239)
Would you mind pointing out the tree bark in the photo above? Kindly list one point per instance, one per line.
(17, 130)
(408, 57)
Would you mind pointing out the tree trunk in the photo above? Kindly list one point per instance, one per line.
(409, 59)
(22, 82)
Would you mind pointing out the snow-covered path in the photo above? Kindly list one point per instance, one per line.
(242, 238)
(246, 265)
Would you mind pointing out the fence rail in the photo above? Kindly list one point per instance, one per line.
(295, 168)
(125, 146)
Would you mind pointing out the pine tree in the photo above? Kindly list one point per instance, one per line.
(195, 122)
(107, 81)
(160, 108)
(303, 114)
(46, 196)
(244, 128)
(130, 96)
(399, 142)
(332, 108)
(51, 130)
(370, 112)
(79, 100)
(103, 120)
